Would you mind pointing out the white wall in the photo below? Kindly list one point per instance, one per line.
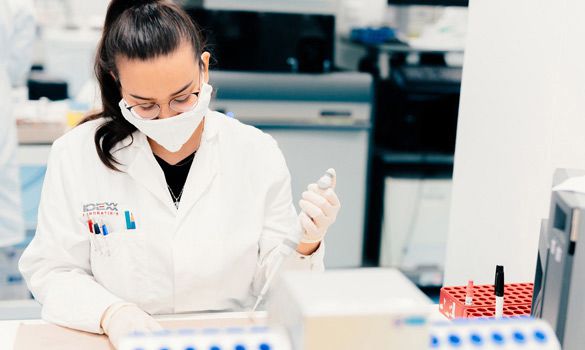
(522, 115)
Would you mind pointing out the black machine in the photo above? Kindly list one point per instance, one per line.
(430, 2)
(266, 41)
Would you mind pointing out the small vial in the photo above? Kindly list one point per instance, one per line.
(326, 181)
(469, 293)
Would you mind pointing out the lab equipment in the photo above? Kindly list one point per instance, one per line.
(12, 285)
(367, 308)
(69, 54)
(434, 3)
(289, 246)
(501, 334)
(373, 36)
(326, 180)
(559, 282)
(499, 291)
(329, 114)
(42, 85)
(469, 293)
(415, 223)
(39, 123)
(243, 44)
(452, 301)
(232, 338)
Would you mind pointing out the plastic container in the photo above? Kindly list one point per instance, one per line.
(517, 301)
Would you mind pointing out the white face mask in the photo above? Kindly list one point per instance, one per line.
(173, 132)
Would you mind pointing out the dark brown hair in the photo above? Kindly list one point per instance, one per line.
(136, 30)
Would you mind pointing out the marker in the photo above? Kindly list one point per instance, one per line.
(499, 291)
(469, 293)
(91, 237)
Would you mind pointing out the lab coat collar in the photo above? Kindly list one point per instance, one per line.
(202, 174)
(137, 160)
(141, 165)
(204, 168)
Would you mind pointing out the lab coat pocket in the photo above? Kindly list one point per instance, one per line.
(118, 263)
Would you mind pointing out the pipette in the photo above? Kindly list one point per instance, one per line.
(288, 245)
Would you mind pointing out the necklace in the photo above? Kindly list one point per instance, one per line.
(176, 199)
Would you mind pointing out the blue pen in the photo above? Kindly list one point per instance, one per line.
(97, 232)
(105, 232)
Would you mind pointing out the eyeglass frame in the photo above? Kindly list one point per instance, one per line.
(129, 108)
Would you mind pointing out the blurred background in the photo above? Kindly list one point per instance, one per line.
(371, 86)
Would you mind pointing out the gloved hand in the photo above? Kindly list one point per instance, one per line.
(120, 320)
(319, 209)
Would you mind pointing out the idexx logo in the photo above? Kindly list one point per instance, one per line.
(104, 208)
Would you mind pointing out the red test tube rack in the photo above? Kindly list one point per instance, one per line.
(517, 301)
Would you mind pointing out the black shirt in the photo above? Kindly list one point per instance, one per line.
(176, 175)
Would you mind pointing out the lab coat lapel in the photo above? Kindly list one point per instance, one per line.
(204, 169)
(140, 164)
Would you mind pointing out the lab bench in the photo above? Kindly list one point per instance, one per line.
(35, 334)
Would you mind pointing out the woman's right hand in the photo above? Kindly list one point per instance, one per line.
(122, 319)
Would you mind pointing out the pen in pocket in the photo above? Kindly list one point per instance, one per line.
(92, 239)
(105, 233)
(97, 232)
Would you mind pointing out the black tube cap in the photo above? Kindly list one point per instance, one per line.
(499, 288)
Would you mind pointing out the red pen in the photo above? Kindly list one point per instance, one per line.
(90, 224)
(469, 293)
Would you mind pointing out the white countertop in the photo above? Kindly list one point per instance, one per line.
(8, 329)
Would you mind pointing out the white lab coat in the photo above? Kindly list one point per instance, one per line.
(211, 254)
(17, 33)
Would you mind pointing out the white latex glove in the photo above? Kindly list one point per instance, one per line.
(121, 320)
(319, 210)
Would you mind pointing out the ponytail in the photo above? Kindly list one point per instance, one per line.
(135, 29)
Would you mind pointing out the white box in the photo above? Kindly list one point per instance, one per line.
(350, 309)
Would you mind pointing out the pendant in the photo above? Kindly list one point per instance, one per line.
(177, 205)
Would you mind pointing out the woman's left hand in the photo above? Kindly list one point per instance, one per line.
(319, 211)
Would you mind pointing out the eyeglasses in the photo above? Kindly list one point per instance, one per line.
(180, 104)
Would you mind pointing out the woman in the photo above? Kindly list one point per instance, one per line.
(158, 205)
